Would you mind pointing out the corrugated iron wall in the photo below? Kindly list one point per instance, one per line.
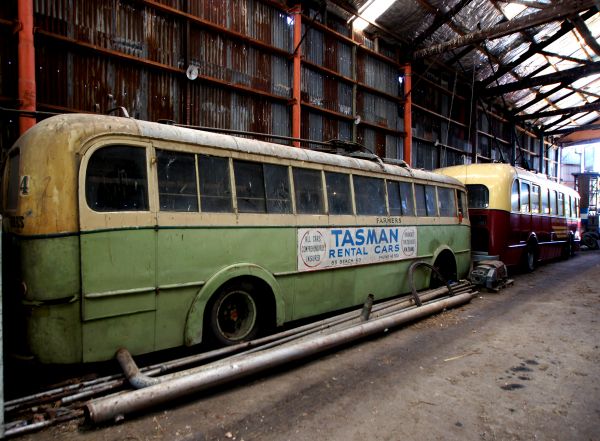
(95, 55)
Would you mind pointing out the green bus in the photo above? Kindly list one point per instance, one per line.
(126, 233)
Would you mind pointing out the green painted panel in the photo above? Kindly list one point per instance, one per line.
(113, 305)
(171, 312)
(102, 338)
(54, 333)
(186, 255)
(118, 260)
(51, 267)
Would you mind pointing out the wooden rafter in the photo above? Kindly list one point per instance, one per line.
(569, 111)
(573, 129)
(539, 97)
(567, 76)
(565, 57)
(559, 10)
(565, 28)
(439, 20)
(586, 34)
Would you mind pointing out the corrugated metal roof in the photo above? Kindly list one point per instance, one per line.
(556, 46)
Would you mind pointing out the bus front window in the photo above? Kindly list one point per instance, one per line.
(479, 196)
(116, 179)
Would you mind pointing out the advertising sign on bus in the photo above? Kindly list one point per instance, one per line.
(326, 248)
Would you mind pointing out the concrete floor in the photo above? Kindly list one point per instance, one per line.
(523, 364)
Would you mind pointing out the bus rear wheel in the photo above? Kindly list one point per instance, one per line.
(530, 258)
(234, 315)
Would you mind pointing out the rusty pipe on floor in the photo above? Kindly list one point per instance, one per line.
(132, 372)
(116, 406)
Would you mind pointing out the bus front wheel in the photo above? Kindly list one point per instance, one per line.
(234, 314)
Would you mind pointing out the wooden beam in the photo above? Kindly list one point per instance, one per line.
(539, 97)
(439, 20)
(565, 57)
(566, 76)
(590, 107)
(559, 10)
(585, 33)
(573, 129)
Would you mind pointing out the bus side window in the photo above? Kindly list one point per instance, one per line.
(406, 196)
(215, 189)
(515, 197)
(400, 198)
(535, 198)
(249, 187)
(338, 193)
(463, 207)
(552, 207)
(524, 197)
(425, 197)
(370, 196)
(308, 189)
(116, 179)
(545, 206)
(561, 204)
(446, 202)
(176, 181)
(277, 183)
(393, 191)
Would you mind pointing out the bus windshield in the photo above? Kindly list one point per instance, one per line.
(479, 196)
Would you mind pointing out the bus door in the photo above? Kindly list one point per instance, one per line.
(118, 248)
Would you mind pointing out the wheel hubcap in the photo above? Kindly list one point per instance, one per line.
(236, 315)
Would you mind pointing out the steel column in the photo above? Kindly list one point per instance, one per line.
(27, 91)
(296, 81)
(408, 114)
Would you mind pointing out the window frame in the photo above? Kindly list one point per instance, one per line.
(151, 182)
(384, 195)
(323, 193)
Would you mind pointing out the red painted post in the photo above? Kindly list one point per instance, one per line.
(408, 113)
(297, 12)
(27, 90)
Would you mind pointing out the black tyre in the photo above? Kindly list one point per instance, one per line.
(569, 249)
(590, 240)
(446, 266)
(531, 258)
(233, 314)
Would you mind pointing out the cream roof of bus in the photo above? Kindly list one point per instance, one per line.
(498, 178)
(55, 144)
(80, 128)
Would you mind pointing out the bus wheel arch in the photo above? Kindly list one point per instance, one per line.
(445, 262)
(242, 278)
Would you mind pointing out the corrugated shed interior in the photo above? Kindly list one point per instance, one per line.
(230, 64)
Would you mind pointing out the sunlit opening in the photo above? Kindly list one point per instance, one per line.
(370, 11)
(511, 10)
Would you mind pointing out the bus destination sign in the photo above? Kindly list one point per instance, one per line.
(326, 248)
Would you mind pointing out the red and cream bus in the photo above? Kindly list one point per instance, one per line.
(518, 216)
